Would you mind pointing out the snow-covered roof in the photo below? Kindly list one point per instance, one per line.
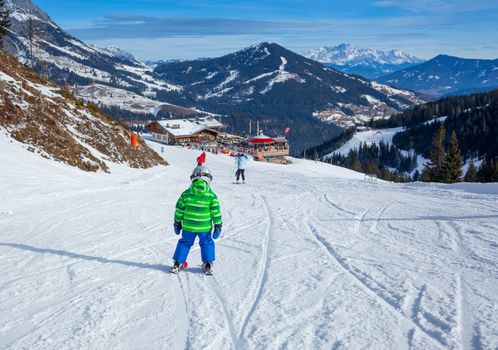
(191, 126)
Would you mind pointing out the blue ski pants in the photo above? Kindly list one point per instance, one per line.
(185, 243)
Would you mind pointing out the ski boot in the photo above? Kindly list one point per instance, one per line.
(207, 267)
(177, 267)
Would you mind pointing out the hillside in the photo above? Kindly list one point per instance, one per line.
(54, 124)
(356, 264)
(447, 75)
(281, 88)
(367, 62)
(472, 117)
(97, 73)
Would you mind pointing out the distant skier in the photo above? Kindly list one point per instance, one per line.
(197, 210)
(241, 161)
(201, 159)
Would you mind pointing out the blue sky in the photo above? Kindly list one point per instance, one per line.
(164, 29)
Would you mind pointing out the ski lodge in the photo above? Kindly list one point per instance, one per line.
(269, 149)
(184, 131)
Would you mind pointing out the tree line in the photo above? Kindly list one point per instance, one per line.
(385, 161)
(446, 162)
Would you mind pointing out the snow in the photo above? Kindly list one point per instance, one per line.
(339, 89)
(388, 89)
(211, 75)
(221, 89)
(233, 74)
(144, 72)
(371, 99)
(345, 54)
(186, 127)
(284, 63)
(261, 76)
(22, 17)
(217, 94)
(369, 137)
(435, 120)
(8, 78)
(67, 51)
(282, 76)
(109, 96)
(84, 259)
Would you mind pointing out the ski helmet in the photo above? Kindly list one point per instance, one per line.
(201, 172)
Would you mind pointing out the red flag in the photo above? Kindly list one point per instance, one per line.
(287, 130)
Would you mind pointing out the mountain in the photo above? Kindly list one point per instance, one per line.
(270, 83)
(67, 60)
(447, 75)
(51, 122)
(264, 82)
(119, 54)
(154, 64)
(370, 63)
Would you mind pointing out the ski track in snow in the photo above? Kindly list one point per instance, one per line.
(85, 259)
(365, 285)
(263, 274)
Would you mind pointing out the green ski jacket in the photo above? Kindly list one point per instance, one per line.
(198, 208)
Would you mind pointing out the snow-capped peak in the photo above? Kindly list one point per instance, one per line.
(24, 9)
(116, 52)
(346, 54)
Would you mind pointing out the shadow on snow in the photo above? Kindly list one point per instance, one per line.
(162, 268)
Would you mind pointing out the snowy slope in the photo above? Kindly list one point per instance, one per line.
(379, 265)
(368, 136)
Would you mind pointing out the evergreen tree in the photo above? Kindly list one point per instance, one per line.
(4, 22)
(471, 174)
(481, 173)
(452, 166)
(427, 174)
(416, 175)
(433, 171)
(357, 165)
(491, 174)
(495, 172)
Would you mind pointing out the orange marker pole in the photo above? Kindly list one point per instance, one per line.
(134, 140)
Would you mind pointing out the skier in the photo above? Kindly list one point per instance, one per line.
(201, 159)
(241, 160)
(197, 210)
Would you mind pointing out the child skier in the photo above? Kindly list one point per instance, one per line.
(201, 159)
(197, 210)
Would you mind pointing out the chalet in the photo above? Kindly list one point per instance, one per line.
(183, 131)
(269, 149)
